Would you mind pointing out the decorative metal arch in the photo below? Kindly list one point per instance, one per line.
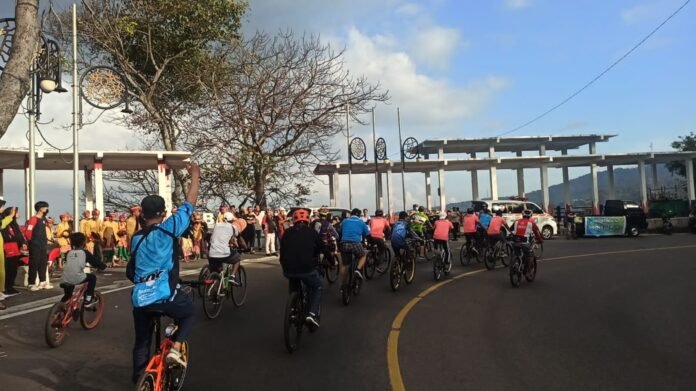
(358, 150)
(7, 30)
(409, 148)
(381, 149)
(104, 87)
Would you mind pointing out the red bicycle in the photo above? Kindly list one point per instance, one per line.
(63, 313)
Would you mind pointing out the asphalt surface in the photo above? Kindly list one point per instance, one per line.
(617, 321)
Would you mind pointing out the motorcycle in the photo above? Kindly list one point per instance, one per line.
(667, 227)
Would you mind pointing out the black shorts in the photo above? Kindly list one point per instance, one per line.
(350, 250)
(216, 263)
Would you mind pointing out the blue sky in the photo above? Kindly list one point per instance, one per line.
(478, 69)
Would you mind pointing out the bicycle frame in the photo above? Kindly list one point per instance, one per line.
(73, 304)
(157, 364)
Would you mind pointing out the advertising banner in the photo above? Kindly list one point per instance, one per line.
(605, 225)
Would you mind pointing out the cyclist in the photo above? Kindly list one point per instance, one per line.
(497, 228)
(485, 219)
(154, 269)
(419, 223)
(524, 229)
(73, 269)
(379, 226)
(220, 251)
(301, 246)
(471, 225)
(400, 232)
(327, 234)
(353, 230)
(443, 227)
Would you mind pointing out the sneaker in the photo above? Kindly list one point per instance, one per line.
(311, 321)
(174, 357)
(45, 285)
(90, 302)
(34, 287)
(358, 274)
(233, 281)
(11, 292)
(3, 296)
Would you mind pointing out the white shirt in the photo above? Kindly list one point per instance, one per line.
(220, 240)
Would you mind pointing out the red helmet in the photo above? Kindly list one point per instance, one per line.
(301, 215)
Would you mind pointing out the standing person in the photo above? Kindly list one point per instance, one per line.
(454, 217)
(133, 222)
(154, 270)
(258, 225)
(221, 214)
(250, 231)
(441, 234)
(365, 216)
(299, 260)
(108, 237)
(270, 230)
(85, 223)
(6, 220)
(38, 247)
(64, 225)
(14, 244)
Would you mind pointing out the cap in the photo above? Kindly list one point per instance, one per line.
(229, 216)
(443, 215)
(152, 205)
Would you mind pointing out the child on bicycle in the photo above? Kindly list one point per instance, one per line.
(73, 270)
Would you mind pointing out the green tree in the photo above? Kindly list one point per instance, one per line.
(683, 144)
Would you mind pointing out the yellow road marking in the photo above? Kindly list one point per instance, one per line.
(395, 378)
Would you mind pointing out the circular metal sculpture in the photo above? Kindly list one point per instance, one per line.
(103, 87)
(410, 148)
(357, 148)
(381, 149)
(7, 30)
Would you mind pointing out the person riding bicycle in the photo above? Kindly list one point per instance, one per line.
(154, 270)
(327, 234)
(220, 251)
(471, 226)
(523, 230)
(379, 227)
(443, 227)
(353, 230)
(400, 232)
(497, 228)
(419, 221)
(74, 269)
(299, 259)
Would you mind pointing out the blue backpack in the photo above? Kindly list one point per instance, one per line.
(399, 233)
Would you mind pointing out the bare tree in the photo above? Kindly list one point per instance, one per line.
(21, 49)
(273, 114)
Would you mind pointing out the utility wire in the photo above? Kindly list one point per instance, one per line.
(576, 93)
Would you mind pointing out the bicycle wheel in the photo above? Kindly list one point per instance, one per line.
(239, 291)
(383, 261)
(538, 250)
(489, 258)
(448, 264)
(292, 324)
(202, 276)
(90, 317)
(214, 297)
(370, 265)
(462, 255)
(410, 268)
(146, 382)
(395, 274)
(176, 374)
(357, 284)
(332, 269)
(346, 292)
(53, 329)
(437, 267)
(429, 252)
(516, 272)
(531, 270)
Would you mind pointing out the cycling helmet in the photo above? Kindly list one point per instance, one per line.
(324, 211)
(355, 212)
(499, 212)
(301, 215)
(421, 209)
(527, 213)
(379, 212)
(470, 210)
(403, 215)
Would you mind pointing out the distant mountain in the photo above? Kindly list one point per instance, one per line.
(626, 185)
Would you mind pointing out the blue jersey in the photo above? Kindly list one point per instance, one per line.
(353, 230)
(485, 220)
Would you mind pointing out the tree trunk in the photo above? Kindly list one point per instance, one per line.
(15, 79)
(259, 188)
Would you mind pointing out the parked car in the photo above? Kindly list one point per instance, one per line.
(512, 211)
(618, 218)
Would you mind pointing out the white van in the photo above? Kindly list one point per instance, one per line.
(512, 211)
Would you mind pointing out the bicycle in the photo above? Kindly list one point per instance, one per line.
(441, 266)
(405, 265)
(522, 265)
(219, 286)
(296, 311)
(377, 260)
(351, 284)
(62, 314)
(329, 267)
(502, 250)
(471, 250)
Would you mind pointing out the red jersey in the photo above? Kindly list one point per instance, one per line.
(496, 225)
(470, 223)
(442, 229)
(525, 228)
(377, 227)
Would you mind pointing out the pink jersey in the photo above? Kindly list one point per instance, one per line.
(442, 229)
(470, 223)
(496, 225)
(377, 227)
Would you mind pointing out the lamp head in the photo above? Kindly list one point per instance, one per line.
(47, 85)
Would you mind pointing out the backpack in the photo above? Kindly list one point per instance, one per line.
(399, 233)
(325, 233)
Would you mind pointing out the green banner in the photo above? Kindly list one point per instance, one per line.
(605, 225)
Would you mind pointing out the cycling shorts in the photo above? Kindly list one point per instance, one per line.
(350, 250)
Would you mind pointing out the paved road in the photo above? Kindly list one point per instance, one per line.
(615, 321)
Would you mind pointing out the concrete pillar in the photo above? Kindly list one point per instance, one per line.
(332, 194)
(441, 179)
(2, 183)
(164, 181)
(520, 178)
(99, 187)
(474, 181)
(643, 186)
(610, 177)
(567, 200)
(380, 191)
(653, 166)
(690, 178)
(493, 174)
(336, 188)
(390, 194)
(595, 186)
(428, 192)
(89, 190)
(28, 207)
(544, 172)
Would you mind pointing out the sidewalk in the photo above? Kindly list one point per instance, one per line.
(111, 278)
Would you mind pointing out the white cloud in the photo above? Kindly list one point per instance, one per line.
(436, 45)
(409, 9)
(517, 4)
